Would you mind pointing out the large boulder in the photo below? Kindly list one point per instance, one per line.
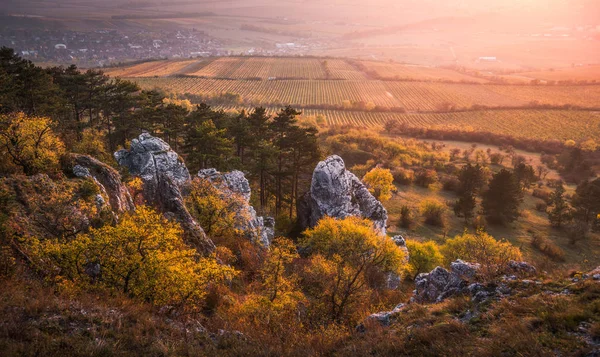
(257, 228)
(338, 193)
(107, 179)
(440, 283)
(164, 175)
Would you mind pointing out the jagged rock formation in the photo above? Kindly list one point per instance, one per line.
(338, 193)
(164, 175)
(107, 179)
(259, 229)
(440, 283)
(394, 280)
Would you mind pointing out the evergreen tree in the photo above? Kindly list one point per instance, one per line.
(501, 201)
(471, 180)
(559, 212)
(586, 203)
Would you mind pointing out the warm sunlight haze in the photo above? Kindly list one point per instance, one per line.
(300, 178)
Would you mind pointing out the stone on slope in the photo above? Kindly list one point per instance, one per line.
(164, 175)
(257, 228)
(440, 283)
(338, 193)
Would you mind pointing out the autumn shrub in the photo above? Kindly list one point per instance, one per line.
(342, 253)
(380, 183)
(480, 247)
(406, 217)
(424, 257)
(403, 176)
(450, 183)
(143, 256)
(425, 177)
(433, 212)
(29, 144)
(547, 247)
(220, 215)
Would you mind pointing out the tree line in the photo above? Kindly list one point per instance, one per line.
(96, 114)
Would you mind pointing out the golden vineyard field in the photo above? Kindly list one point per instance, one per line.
(323, 86)
(412, 96)
(540, 124)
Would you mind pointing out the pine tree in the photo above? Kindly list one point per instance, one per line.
(560, 211)
(471, 180)
(501, 201)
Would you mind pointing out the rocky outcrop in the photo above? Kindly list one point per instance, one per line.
(107, 179)
(393, 279)
(164, 175)
(256, 228)
(338, 193)
(440, 283)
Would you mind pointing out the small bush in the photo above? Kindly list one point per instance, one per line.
(406, 218)
(433, 212)
(423, 257)
(450, 183)
(541, 194)
(426, 178)
(403, 176)
(492, 254)
(548, 248)
(88, 189)
(541, 206)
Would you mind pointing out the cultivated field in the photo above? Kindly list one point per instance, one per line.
(344, 92)
(412, 96)
(539, 124)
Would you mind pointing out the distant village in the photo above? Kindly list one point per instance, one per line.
(106, 47)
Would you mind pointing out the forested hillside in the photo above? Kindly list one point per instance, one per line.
(133, 222)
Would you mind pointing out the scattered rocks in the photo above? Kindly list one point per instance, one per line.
(521, 268)
(164, 176)
(338, 193)
(257, 228)
(383, 318)
(440, 283)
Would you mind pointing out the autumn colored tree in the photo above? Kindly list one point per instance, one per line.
(143, 256)
(424, 257)
(380, 183)
(30, 143)
(343, 251)
(218, 214)
(274, 272)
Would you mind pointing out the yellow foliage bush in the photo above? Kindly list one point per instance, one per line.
(344, 252)
(29, 143)
(492, 254)
(424, 257)
(143, 256)
(380, 183)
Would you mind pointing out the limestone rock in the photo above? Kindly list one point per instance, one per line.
(383, 318)
(521, 268)
(257, 228)
(164, 175)
(107, 178)
(338, 193)
(394, 280)
(440, 283)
